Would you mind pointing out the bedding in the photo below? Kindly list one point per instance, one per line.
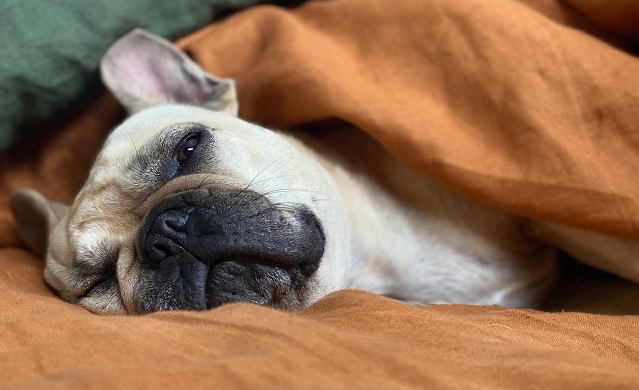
(527, 106)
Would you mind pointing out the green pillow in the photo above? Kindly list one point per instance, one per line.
(51, 49)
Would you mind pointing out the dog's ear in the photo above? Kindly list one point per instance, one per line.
(36, 216)
(143, 70)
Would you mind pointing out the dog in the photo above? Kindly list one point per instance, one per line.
(188, 207)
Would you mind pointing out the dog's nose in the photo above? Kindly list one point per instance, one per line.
(221, 227)
(167, 228)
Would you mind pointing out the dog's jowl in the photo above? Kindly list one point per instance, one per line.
(190, 207)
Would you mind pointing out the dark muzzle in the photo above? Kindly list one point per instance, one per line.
(199, 249)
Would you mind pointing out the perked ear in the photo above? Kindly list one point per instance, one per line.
(144, 70)
(36, 216)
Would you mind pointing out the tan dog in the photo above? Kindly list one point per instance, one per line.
(189, 207)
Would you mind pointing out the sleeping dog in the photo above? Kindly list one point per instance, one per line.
(190, 207)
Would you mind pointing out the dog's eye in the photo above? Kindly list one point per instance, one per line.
(187, 147)
(99, 285)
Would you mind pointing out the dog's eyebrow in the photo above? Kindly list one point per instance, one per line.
(101, 261)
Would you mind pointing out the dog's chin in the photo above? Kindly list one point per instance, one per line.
(200, 249)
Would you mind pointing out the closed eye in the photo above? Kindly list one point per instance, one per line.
(95, 270)
(101, 284)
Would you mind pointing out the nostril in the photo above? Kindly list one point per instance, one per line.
(174, 220)
(164, 234)
(158, 251)
(178, 226)
(162, 249)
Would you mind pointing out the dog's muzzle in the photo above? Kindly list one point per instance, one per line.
(199, 249)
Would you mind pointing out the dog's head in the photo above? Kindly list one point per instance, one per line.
(187, 206)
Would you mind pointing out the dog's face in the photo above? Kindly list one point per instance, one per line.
(188, 207)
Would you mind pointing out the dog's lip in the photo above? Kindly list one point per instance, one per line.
(267, 292)
(253, 282)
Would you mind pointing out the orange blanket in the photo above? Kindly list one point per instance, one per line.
(525, 106)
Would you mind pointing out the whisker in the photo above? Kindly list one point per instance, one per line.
(282, 190)
(133, 143)
(237, 196)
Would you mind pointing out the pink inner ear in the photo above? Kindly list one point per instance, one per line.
(138, 71)
(144, 71)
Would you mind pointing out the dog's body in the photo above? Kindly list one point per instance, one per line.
(190, 208)
(415, 241)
